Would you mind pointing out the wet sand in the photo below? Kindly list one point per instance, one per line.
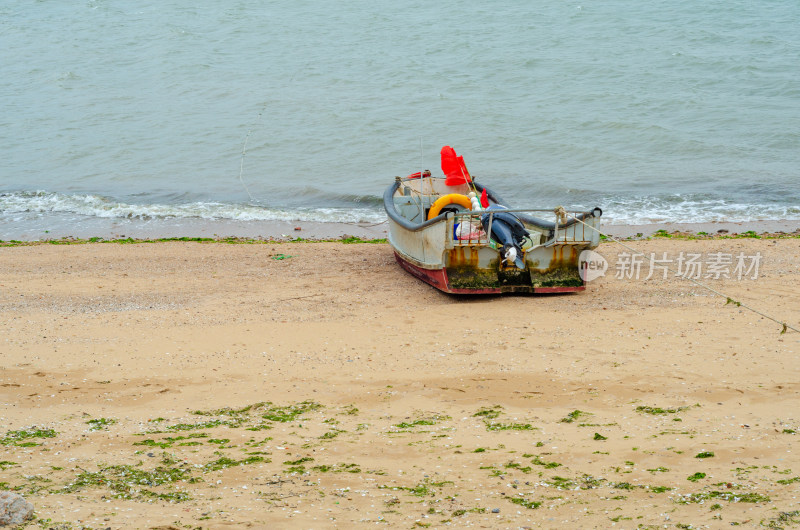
(185, 385)
(112, 228)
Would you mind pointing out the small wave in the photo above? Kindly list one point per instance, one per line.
(690, 209)
(42, 203)
(312, 194)
(618, 209)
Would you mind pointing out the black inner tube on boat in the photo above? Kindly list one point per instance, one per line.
(535, 221)
(388, 205)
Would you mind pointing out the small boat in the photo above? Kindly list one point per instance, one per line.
(460, 237)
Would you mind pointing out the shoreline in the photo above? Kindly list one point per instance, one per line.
(109, 229)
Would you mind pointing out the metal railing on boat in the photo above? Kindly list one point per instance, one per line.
(476, 236)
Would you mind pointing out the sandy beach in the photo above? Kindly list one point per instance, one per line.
(318, 385)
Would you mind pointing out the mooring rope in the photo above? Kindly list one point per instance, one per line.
(244, 151)
(728, 299)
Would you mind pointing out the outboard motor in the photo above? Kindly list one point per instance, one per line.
(508, 231)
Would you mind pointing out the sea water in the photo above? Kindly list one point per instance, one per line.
(163, 110)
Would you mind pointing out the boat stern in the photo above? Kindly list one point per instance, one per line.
(481, 269)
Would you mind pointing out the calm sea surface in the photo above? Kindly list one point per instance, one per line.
(654, 111)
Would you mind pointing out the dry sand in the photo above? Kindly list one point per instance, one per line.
(376, 399)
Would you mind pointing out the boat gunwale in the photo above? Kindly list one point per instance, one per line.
(391, 211)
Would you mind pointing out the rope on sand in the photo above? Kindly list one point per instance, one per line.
(728, 299)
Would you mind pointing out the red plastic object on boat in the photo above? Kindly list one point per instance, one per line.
(484, 198)
(453, 167)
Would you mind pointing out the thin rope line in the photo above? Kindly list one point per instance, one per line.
(244, 151)
(247, 137)
(728, 299)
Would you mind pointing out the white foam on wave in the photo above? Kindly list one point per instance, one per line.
(617, 209)
(28, 204)
(683, 209)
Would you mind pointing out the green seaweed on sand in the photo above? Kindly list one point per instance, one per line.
(349, 240)
(259, 427)
(331, 434)
(493, 472)
(489, 413)
(153, 443)
(207, 240)
(782, 519)
(547, 465)
(128, 482)
(517, 465)
(620, 518)
(431, 420)
(237, 417)
(22, 437)
(99, 424)
(290, 412)
(496, 426)
(425, 488)
(236, 422)
(525, 503)
(658, 410)
(223, 462)
(169, 441)
(585, 482)
(296, 466)
(574, 415)
(730, 496)
(338, 468)
(561, 483)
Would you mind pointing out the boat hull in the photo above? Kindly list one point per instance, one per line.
(438, 249)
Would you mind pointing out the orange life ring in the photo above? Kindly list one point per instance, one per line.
(452, 198)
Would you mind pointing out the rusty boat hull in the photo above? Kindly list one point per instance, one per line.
(434, 251)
